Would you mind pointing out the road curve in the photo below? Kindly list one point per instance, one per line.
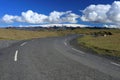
(53, 59)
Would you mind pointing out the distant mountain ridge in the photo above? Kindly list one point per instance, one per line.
(53, 27)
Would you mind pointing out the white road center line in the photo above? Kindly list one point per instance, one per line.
(78, 51)
(115, 64)
(15, 57)
(23, 44)
(65, 43)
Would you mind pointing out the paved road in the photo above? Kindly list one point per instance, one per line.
(53, 59)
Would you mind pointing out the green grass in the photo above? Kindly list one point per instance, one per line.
(109, 45)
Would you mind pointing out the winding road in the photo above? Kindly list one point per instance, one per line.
(54, 59)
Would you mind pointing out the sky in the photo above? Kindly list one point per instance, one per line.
(36, 12)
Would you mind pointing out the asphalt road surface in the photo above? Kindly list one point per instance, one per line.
(53, 59)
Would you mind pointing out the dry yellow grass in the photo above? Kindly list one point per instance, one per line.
(11, 34)
(89, 31)
(109, 45)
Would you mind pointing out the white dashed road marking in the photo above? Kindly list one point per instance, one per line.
(65, 43)
(15, 57)
(78, 51)
(23, 44)
(115, 64)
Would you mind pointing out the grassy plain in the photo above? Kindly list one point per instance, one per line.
(12, 34)
(109, 45)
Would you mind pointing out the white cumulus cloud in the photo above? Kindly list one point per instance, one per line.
(103, 13)
(55, 16)
(33, 17)
(71, 18)
(114, 12)
(10, 18)
(36, 18)
(96, 13)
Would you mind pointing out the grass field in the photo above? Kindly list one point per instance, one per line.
(109, 45)
(11, 34)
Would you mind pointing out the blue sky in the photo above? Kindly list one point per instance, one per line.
(66, 10)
